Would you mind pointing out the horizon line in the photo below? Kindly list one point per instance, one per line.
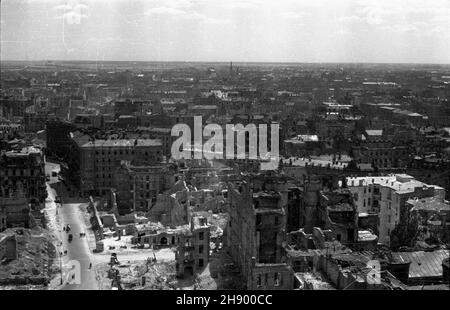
(228, 61)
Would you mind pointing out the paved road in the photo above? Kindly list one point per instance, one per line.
(70, 213)
(78, 249)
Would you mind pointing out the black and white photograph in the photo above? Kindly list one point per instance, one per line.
(236, 148)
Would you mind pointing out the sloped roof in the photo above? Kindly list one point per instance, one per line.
(424, 264)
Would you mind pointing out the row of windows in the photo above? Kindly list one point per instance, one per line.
(123, 152)
(22, 172)
(120, 152)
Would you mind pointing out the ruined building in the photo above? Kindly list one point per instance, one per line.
(14, 210)
(256, 231)
(338, 213)
(138, 185)
(192, 253)
(172, 206)
(327, 209)
(24, 169)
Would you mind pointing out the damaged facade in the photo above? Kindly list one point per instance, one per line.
(138, 185)
(192, 252)
(256, 231)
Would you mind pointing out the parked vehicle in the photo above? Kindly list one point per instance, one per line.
(70, 237)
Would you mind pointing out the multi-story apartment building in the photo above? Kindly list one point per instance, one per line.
(25, 171)
(387, 196)
(378, 150)
(9, 130)
(99, 159)
(14, 105)
(138, 185)
(14, 211)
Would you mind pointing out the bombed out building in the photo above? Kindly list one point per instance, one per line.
(256, 231)
(192, 252)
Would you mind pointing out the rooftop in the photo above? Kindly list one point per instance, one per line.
(429, 204)
(372, 132)
(123, 143)
(401, 183)
(366, 236)
(423, 264)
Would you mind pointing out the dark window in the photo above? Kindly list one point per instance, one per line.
(200, 262)
(200, 249)
(201, 235)
(277, 279)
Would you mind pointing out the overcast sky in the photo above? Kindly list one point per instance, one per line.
(415, 31)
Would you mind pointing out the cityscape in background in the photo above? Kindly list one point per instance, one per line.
(92, 196)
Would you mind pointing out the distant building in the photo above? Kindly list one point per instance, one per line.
(378, 150)
(58, 137)
(14, 106)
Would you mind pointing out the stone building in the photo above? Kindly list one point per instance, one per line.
(14, 105)
(99, 159)
(380, 151)
(329, 209)
(172, 206)
(192, 254)
(431, 216)
(256, 231)
(14, 211)
(24, 170)
(9, 130)
(338, 213)
(138, 185)
(387, 196)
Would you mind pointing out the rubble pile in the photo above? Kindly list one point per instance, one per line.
(157, 275)
(26, 257)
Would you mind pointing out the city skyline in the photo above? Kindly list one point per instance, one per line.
(239, 30)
